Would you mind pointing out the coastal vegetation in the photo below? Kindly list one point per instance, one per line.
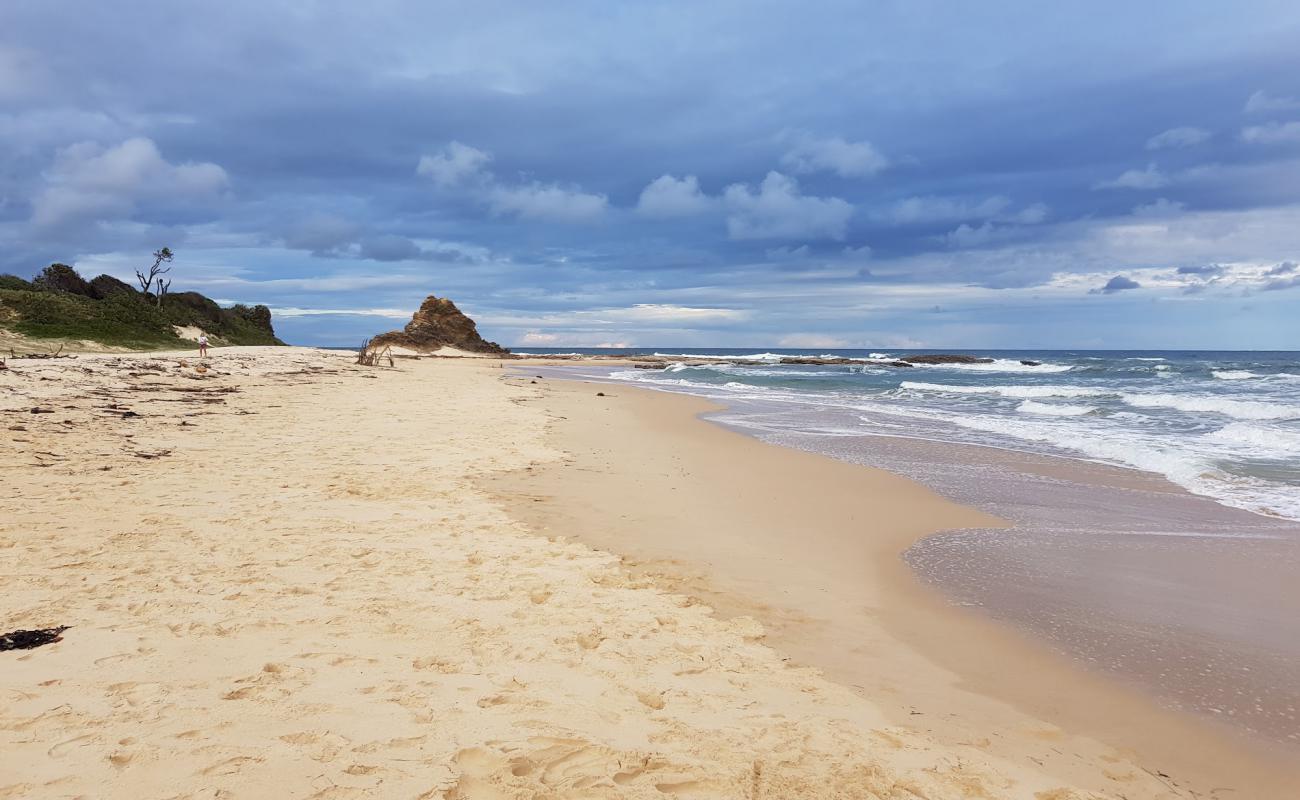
(60, 304)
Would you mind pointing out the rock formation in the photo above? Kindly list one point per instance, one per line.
(438, 323)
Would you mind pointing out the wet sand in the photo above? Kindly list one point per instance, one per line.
(811, 547)
(1121, 570)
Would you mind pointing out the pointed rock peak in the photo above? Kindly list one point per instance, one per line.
(439, 323)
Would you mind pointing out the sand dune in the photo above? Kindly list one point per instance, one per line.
(283, 582)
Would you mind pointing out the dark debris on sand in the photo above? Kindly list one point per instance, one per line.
(27, 640)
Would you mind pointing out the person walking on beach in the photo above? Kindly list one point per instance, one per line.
(203, 345)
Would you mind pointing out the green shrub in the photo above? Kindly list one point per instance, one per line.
(15, 282)
(112, 312)
(105, 285)
(62, 278)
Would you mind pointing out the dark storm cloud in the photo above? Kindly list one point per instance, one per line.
(1119, 283)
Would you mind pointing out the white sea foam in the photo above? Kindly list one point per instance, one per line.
(1261, 441)
(1192, 469)
(1054, 409)
(1140, 358)
(1002, 365)
(1238, 409)
(1234, 439)
(1009, 391)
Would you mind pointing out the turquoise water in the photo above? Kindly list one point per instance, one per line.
(1224, 425)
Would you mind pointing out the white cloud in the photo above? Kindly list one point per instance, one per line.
(812, 340)
(1030, 215)
(778, 211)
(654, 312)
(667, 196)
(930, 209)
(90, 182)
(650, 315)
(461, 165)
(1263, 101)
(1160, 208)
(454, 164)
(571, 339)
(292, 311)
(547, 201)
(835, 154)
(1272, 133)
(1149, 178)
(966, 236)
(1178, 137)
(1240, 276)
(913, 210)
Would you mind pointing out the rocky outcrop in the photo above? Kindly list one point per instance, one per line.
(662, 362)
(946, 358)
(437, 324)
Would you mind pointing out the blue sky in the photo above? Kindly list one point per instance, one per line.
(811, 175)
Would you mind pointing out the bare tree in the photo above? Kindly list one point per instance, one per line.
(159, 258)
(163, 287)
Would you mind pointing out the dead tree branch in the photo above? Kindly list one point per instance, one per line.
(159, 258)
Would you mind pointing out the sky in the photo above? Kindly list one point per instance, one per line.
(810, 175)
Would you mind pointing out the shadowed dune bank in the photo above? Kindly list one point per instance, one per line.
(288, 576)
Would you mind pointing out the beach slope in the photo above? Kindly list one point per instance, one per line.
(284, 577)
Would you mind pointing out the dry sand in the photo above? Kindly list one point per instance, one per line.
(285, 580)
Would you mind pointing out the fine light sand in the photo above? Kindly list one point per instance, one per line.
(286, 578)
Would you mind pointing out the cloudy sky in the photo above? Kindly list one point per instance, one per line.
(808, 175)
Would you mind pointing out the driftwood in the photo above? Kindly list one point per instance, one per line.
(370, 356)
(56, 354)
(26, 640)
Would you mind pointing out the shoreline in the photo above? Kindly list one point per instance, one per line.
(970, 660)
(284, 577)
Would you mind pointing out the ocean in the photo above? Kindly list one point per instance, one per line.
(1223, 425)
(1154, 496)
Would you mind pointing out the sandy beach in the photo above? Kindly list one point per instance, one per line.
(287, 576)
(837, 595)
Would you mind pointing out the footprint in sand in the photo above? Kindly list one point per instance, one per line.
(230, 766)
(113, 659)
(67, 746)
(546, 767)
